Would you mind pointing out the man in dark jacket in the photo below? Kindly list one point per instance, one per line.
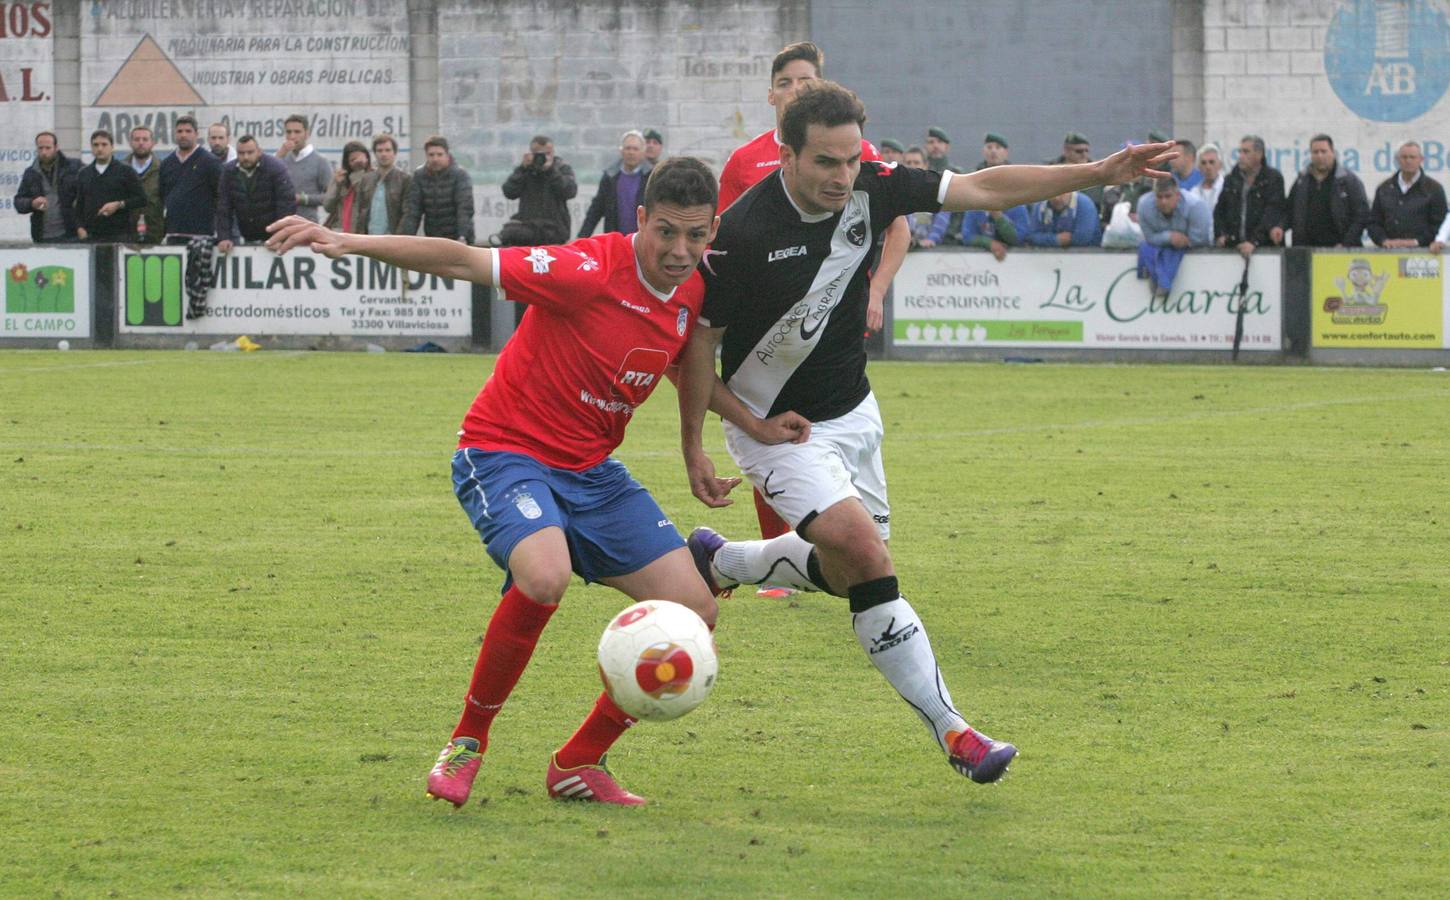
(1252, 202)
(1327, 205)
(106, 192)
(543, 184)
(255, 192)
(1409, 206)
(189, 181)
(440, 197)
(48, 191)
(621, 190)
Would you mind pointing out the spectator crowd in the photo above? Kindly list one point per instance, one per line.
(227, 192)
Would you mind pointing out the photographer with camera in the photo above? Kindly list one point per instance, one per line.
(543, 184)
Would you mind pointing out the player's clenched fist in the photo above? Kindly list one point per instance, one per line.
(786, 428)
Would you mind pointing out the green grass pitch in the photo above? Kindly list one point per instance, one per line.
(240, 606)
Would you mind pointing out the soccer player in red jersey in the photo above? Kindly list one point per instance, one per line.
(796, 65)
(607, 316)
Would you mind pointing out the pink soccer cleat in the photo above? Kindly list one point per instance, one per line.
(979, 757)
(453, 773)
(592, 783)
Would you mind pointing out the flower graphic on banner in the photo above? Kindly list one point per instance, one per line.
(46, 289)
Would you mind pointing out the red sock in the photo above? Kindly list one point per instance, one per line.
(771, 524)
(507, 646)
(606, 722)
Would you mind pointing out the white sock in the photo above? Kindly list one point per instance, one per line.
(895, 641)
(782, 561)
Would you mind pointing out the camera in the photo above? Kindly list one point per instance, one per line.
(540, 159)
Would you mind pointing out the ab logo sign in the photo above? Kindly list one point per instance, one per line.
(1389, 61)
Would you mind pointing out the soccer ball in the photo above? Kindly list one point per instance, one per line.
(657, 660)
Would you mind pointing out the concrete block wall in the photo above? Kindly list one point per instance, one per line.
(1188, 89)
(584, 73)
(1268, 69)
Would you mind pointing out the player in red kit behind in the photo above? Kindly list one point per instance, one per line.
(796, 65)
(607, 315)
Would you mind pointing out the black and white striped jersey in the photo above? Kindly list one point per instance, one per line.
(790, 290)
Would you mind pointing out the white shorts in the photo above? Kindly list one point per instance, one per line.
(842, 459)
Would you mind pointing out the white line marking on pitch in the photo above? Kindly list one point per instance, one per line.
(5, 370)
(1164, 420)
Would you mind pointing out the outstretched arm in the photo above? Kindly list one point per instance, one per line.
(436, 256)
(1003, 187)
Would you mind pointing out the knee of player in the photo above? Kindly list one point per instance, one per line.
(859, 551)
(703, 603)
(544, 585)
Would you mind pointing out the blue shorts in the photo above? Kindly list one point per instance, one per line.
(612, 524)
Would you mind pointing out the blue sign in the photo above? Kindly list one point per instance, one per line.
(1389, 60)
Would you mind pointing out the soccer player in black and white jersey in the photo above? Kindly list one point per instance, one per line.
(786, 294)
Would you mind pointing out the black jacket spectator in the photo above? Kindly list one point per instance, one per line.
(1348, 207)
(605, 204)
(442, 202)
(189, 192)
(1265, 210)
(246, 205)
(33, 184)
(1416, 213)
(544, 196)
(95, 189)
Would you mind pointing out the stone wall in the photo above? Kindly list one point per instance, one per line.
(585, 72)
(1369, 74)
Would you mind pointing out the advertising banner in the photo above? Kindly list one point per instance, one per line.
(260, 293)
(1380, 300)
(1081, 300)
(247, 64)
(47, 292)
(27, 98)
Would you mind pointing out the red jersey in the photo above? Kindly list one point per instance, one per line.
(757, 159)
(592, 346)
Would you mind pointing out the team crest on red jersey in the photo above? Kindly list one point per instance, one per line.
(540, 259)
(639, 374)
(681, 321)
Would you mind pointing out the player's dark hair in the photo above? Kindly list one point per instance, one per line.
(819, 103)
(50, 134)
(145, 128)
(436, 140)
(300, 120)
(1165, 186)
(540, 139)
(385, 138)
(185, 120)
(1187, 146)
(101, 132)
(1322, 137)
(681, 181)
(246, 139)
(799, 50)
